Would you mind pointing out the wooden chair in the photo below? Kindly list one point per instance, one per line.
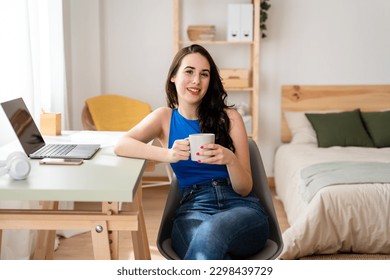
(112, 112)
(274, 244)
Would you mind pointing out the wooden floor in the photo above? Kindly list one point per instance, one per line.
(79, 247)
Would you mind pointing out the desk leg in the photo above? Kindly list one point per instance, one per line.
(112, 208)
(100, 241)
(140, 238)
(44, 249)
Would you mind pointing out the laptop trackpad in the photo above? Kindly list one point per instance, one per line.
(84, 151)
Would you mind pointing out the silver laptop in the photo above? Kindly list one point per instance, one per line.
(31, 138)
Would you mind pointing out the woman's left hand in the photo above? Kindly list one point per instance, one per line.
(218, 154)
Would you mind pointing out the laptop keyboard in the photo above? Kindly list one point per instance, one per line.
(55, 150)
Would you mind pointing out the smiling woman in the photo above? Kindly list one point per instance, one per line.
(192, 82)
(219, 216)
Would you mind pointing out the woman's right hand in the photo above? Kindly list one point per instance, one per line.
(180, 151)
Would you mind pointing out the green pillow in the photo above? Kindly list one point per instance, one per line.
(378, 126)
(340, 129)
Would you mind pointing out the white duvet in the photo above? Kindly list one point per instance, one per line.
(339, 218)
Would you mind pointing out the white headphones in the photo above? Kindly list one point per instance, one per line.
(17, 166)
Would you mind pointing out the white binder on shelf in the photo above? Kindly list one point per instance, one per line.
(234, 22)
(240, 23)
(246, 22)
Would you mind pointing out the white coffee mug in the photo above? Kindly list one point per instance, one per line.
(198, 140)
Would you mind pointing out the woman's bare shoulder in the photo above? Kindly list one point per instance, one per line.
(233, 114)
(162, 112)
(236, 122)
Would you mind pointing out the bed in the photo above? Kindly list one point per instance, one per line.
(333, 180)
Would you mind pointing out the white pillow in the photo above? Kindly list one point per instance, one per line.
(301, 129)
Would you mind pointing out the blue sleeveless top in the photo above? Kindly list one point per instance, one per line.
(190, 172)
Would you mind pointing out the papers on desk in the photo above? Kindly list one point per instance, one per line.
(104, 138)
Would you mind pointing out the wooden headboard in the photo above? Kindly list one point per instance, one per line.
(344, 98)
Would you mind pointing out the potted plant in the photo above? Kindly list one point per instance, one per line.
(264, 6)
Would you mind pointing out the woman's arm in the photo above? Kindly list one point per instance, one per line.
(154, 126)
(238, 163)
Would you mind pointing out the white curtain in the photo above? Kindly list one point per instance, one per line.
(32, 66)
(32, 57)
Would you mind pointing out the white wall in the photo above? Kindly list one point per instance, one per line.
(82, 54)
(117, 46)
(320, 42)
(125, 46)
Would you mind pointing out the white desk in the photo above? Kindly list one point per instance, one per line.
(105, 178)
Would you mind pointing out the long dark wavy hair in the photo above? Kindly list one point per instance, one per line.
(212, 110)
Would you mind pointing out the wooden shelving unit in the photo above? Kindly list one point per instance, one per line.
(253, 47)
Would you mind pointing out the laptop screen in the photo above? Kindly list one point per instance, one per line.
(23, 124)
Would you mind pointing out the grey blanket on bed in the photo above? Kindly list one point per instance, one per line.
(317, 176)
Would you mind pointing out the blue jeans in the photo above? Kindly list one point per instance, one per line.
(213, 222)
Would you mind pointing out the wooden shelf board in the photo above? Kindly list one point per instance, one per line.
(215, 43)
